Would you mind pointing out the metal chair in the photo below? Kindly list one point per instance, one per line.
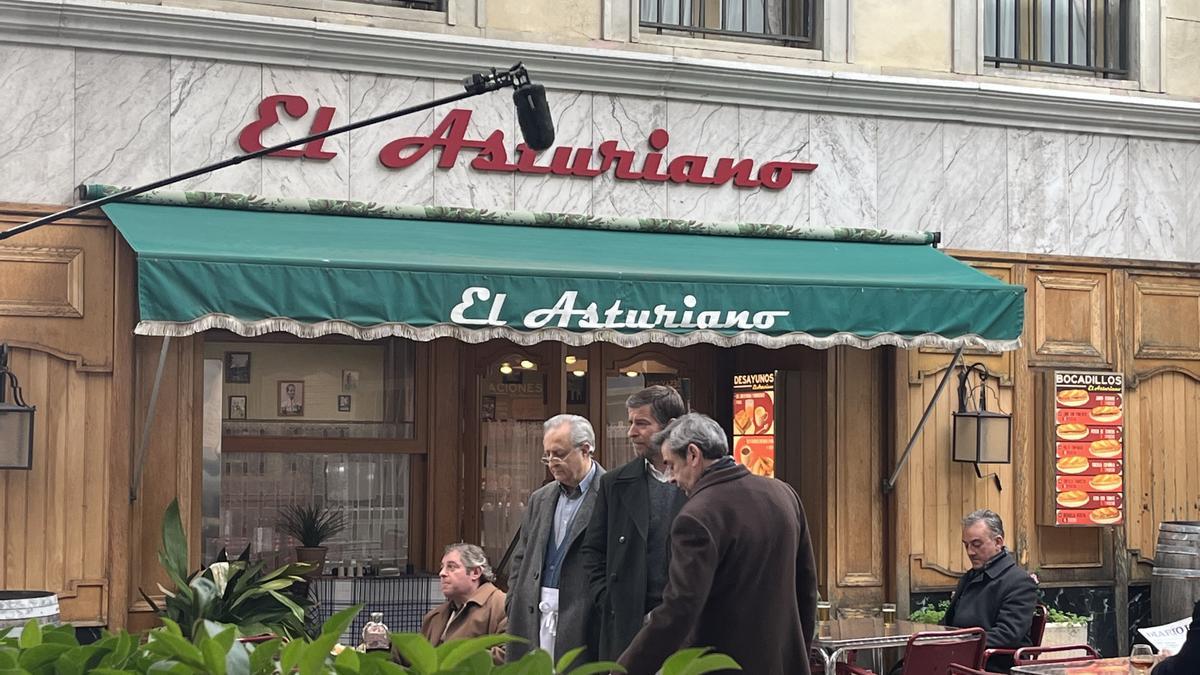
(956, 669)
(932, 653)
(1037, 629)
(1030, 655)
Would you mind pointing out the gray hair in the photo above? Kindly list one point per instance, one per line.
(699, 429)
(581, 429)
(473, 557)
(994, 524)
(665, 403)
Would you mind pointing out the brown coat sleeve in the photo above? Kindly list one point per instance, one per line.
(498, 624)
(694, 560)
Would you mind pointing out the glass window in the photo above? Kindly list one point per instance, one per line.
(1081, 35)
(369, 489)
(317, 390)
(787, 22)
(512, 411)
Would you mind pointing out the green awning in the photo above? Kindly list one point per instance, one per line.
(254, 272)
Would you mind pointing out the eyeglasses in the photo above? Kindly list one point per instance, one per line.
(555, 459)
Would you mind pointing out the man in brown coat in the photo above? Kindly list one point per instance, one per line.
(761, 607)
(473, 606)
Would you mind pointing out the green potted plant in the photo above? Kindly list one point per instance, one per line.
(236, 592)
(311, 526)
(1065, 628)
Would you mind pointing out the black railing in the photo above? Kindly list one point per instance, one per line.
(1081, 35)
(786, 22)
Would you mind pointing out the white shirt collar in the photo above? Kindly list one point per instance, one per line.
(659, 476)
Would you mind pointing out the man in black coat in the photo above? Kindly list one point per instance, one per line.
(1187, 661)
(625, 546)
(995, 594)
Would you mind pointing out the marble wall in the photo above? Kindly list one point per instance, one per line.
(77, 116)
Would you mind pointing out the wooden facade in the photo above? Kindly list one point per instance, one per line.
(71, 525)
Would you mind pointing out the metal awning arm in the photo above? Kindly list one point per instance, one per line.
(890, 483)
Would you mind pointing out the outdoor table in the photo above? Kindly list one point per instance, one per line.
(1097, 667)
(838, 636)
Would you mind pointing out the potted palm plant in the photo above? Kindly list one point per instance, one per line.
(312, 526)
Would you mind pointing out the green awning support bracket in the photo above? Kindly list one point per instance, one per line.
(256, 272)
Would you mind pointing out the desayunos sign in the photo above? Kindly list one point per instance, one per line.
(480, 306)
(491, 153)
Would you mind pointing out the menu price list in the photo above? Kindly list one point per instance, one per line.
(1089, 452)
(754, 422)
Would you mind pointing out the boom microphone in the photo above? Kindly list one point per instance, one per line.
(533, 114)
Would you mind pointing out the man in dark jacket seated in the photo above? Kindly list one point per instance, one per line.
(995, 594)
(1187, 661)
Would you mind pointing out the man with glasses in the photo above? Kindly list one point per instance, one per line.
(742, 577)
(548, 601)
(625, 548)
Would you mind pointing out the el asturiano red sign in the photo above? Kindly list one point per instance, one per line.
(449, 137)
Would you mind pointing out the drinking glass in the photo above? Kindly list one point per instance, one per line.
(889, 613)
(1141, 657)
(823, 608)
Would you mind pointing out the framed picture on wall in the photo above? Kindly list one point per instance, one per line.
(237, 367)
(349, 380)
(291, 398)
(343, 403)
(237, 407)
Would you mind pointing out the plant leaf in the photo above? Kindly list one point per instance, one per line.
(467, 648)
(262, 659)
(598, 668)
(567, 659)
(416, 650)
(711, 663)
(31, 635)
(291, 653)
(36, 658)
(175, 548)
(675, 664)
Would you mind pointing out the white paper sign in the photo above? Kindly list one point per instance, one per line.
(1169, 636)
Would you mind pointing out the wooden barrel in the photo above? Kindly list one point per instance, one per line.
(1175, 585)
(18, 607)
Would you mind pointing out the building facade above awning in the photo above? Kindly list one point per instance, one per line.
(256, 272)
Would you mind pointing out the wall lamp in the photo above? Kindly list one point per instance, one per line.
(16, 421)
(981, 436)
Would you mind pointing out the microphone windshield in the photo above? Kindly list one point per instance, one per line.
(533, 114)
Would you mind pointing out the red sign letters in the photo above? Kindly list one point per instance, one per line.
(491, 153)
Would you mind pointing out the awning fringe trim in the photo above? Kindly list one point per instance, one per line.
(571, 338)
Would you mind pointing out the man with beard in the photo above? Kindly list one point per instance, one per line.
(625, 548)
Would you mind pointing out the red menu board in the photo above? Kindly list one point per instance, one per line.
(1089, 448)
(754, 422)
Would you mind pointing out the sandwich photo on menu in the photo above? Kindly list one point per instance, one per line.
(1074, 464)
(1105, 448)
(1072, 432)
(1073, 499)
(1106, 482)
(1106, 515)
(1106, 414)
(1072, 398)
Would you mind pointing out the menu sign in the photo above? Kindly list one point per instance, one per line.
(754, 422)
(1089, 450)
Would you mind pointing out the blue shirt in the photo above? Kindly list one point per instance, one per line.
(569, 501)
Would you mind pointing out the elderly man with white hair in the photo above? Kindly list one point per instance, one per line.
(549, 602)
